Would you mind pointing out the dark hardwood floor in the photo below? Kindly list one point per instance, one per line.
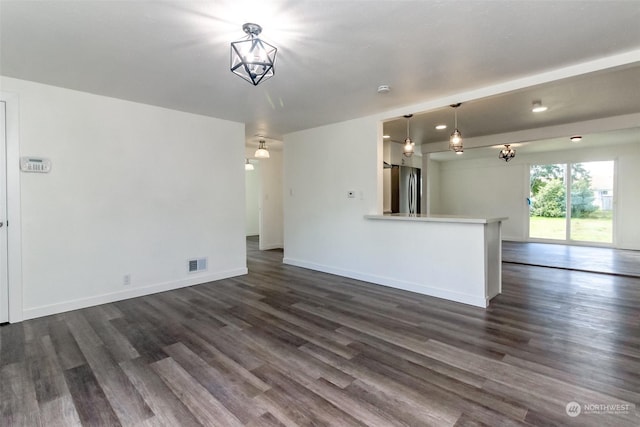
(580, 258)
(288, 346)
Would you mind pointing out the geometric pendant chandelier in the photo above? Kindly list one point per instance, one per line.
(507, 153)
(251, 58)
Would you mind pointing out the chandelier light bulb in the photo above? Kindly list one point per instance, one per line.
(408, 143)
(252, 58)
(262, 152)
(408, 147)
(455, 141)
(538, 107)
(507, 153)
(456, 138)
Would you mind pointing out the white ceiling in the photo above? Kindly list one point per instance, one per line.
(332, 54)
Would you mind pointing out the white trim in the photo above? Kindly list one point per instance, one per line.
(393, 283)
(76, 304)
(518, 83)
(14, 230)
(568, 182)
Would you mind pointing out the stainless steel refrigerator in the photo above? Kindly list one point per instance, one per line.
(406, 189)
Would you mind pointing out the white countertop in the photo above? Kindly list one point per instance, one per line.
(435, 218)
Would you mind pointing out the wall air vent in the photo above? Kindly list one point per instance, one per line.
(196, 265)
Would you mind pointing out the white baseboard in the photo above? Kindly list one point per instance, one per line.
(46, 310)
(393, 283)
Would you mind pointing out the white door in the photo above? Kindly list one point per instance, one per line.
(4, 276)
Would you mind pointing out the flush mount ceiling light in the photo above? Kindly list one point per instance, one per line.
(455, 142)
(441, 127)
(408, 143)
(386, 136)
(507, 153)
(575, 138)
(262, 152)
(248, 166)
(537, 107)
(251, 58)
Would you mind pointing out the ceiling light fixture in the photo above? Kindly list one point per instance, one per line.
(248, 166)
(408, 143)
(538, 107)
(251, 58)
(455, 142)
(386, 136)
(384, 89)
(262, 152)
(575, 138)
(507, 153)
(441, 127)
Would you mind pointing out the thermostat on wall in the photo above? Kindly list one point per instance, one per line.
(35, 164)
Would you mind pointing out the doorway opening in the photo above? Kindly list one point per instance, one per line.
(252, 201)
(572, 202)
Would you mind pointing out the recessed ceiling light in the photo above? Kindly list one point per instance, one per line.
(384, 89)
(575, 138)
(386, 136)
(441, 127)
(538, 107)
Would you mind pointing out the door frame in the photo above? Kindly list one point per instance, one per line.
(14, 229)
(568, 182)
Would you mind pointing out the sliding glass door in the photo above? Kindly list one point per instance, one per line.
(548, 202)
(572, 202)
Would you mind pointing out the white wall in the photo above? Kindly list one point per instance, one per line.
(271, 203)
(134, 189)
(486, 188)
(491, 187)
(252, 199)
(326, 231)
(431, 186)
(323, 228)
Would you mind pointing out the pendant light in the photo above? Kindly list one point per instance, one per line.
(248, 166)
(507, 153)
(409, 145)
(253, 59)
(262, 152)
(455, 141)
(538, 107)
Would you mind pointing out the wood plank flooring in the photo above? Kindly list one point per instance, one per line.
(620, 262)
(288, 346)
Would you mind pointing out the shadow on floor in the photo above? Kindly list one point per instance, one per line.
(580, 258)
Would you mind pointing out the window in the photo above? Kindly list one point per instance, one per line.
(572, 202)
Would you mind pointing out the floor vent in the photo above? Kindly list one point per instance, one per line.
(199, 264)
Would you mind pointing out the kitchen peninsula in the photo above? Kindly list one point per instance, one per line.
(451, 257)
